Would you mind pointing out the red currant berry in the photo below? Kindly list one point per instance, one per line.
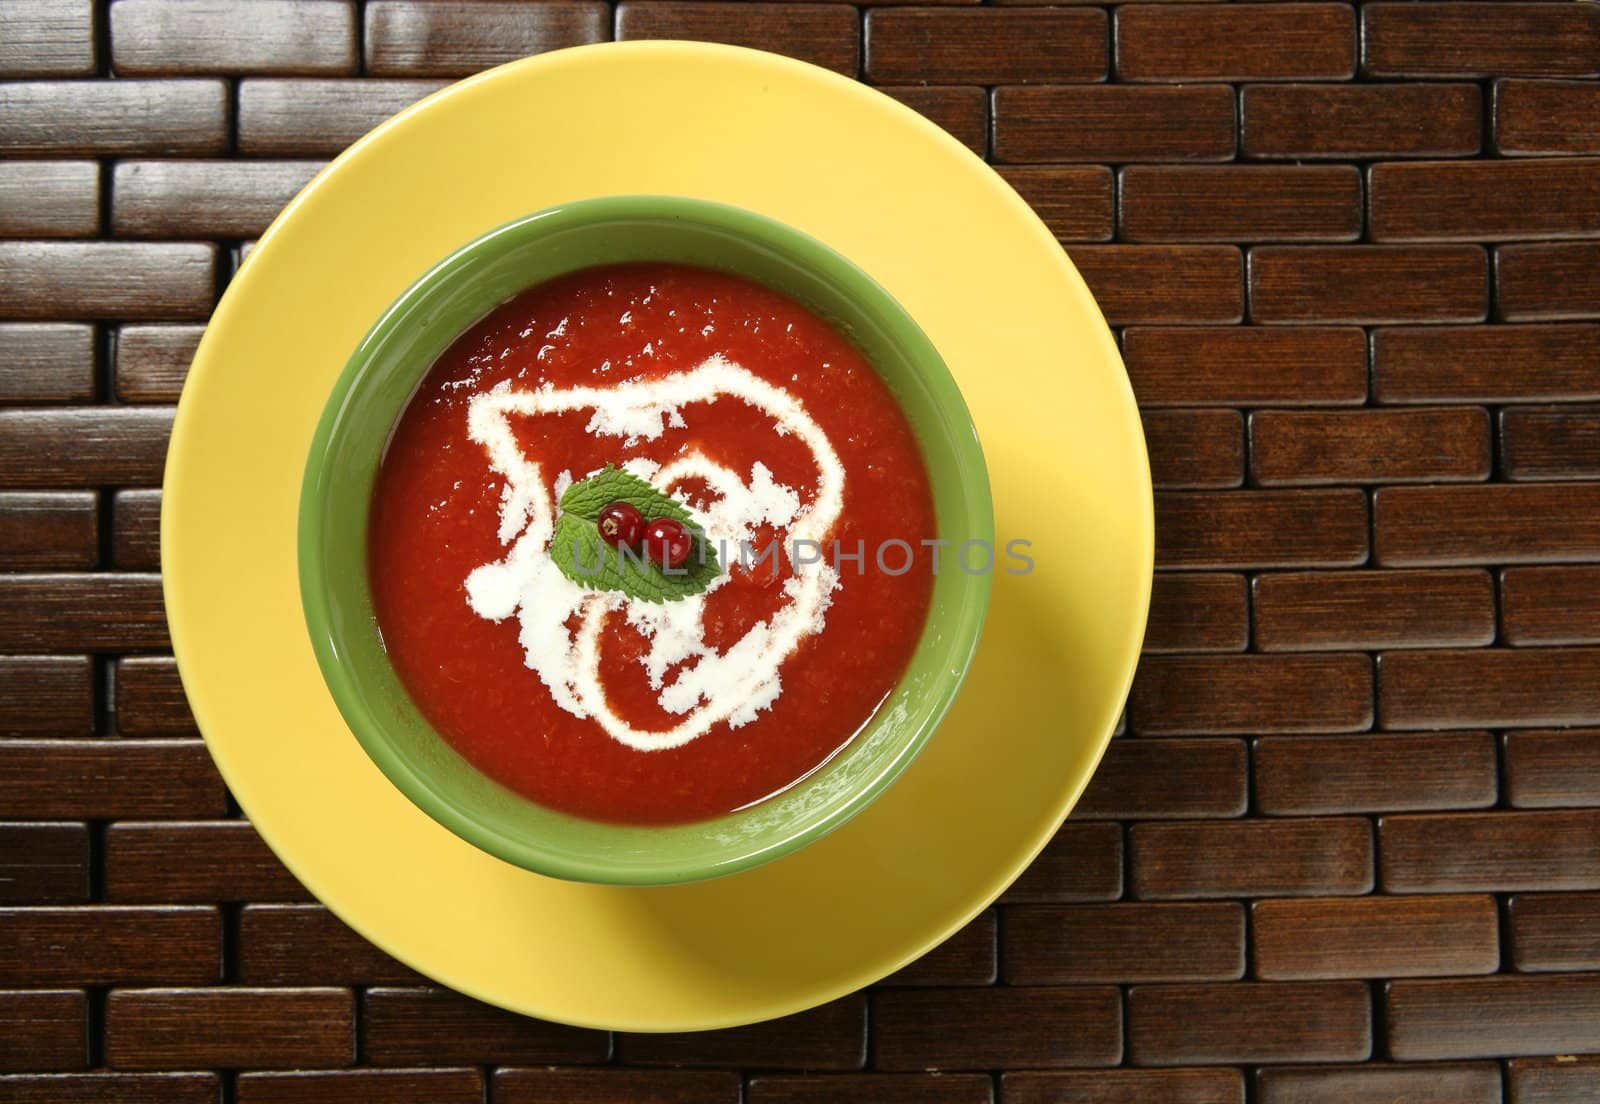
(667, 542)
(621, 523)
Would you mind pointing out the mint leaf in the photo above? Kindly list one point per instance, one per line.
(584, 557)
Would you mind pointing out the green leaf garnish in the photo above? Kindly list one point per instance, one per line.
(586, 559)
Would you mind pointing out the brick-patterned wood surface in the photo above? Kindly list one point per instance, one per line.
(1348, 847)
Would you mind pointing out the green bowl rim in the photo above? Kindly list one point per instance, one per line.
(313, 582)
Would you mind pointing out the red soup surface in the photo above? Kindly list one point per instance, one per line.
(443, 510)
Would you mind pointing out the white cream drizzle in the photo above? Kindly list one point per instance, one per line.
(730, 686)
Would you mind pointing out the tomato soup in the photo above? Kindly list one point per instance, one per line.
(782, 445)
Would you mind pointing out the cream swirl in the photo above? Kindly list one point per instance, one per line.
(710, 686)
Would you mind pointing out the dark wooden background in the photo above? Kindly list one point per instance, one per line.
(1348, 850)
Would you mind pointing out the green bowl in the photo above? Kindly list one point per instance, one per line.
(383, 374)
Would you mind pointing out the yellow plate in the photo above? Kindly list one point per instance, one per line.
(1038, 368)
